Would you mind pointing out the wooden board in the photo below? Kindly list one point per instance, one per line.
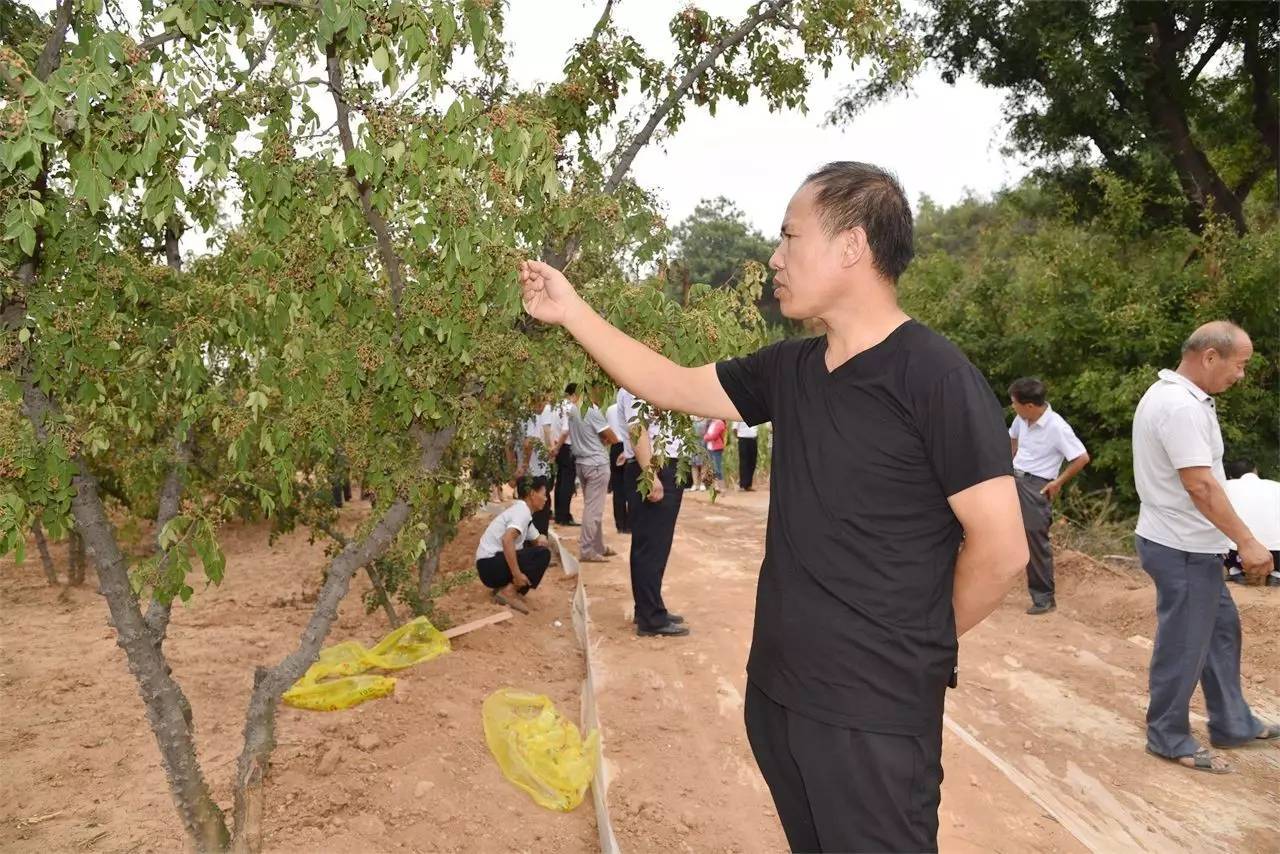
(477, 624)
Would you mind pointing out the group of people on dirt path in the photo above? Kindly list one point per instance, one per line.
(899, 518)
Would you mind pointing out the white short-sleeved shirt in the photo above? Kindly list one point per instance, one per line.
(585, 428)
(1176, 427)
(745, 430)
(1257, 503)
(1044, 445)
(629, 407)
(517, 516)
(562, 413)
(533, 429)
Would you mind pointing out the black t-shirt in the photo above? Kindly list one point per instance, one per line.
(854, 624)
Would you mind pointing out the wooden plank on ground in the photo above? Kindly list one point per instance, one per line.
(477, 624)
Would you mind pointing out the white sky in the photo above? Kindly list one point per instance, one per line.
(941, 140)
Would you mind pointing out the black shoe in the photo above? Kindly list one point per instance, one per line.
(1236, 577)
(1042, 608)
(671, 618)
(672, 630)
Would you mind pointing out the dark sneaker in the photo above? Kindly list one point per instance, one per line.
(671, 618)
(1042, 608)
(670, 630)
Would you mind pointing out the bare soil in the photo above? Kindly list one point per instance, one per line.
(1043, 748)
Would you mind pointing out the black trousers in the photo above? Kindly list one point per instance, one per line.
(533, 562)
(747, 450)
(1037, 519)
(617, 486)
(653, 526)
(846, 790)
(565, 484)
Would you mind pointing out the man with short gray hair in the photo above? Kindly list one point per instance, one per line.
(1185, 526)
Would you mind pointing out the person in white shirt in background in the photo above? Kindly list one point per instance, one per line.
(566, 474)
(1041, 440)
(591, 439)
(538, 448)
(1257, 503)
(747, 454)
(653, 520)
(698, 457)
(617, 468)
(512, 557)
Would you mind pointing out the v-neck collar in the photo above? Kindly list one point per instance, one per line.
(863, 357)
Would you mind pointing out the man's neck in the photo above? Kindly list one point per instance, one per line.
(1035, 419)
(854, 330)
(1189, 371)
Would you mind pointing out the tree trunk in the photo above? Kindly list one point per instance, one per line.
(380, 593)
(76, 558)
(46, 559)
(1201, 183)
(428, 563)
(168, 507)
(269, 685)
(161, 696)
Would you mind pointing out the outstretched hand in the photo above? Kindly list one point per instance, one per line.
(546, 293)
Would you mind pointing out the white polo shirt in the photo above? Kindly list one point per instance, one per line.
(745, 430)
(1257, 503)
(613, 415)
(1176, 427)
(1044, 445)
(629, 410)
(517, 516)
(539, 466)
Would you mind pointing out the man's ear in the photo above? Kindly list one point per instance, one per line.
(855, 246)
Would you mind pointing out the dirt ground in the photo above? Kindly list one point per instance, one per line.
(409, 772)
(1043, 748)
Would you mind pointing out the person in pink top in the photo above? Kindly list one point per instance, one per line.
(714, 440)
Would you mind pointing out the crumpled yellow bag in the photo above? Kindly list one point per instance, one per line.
(335, 681)
(537, 749)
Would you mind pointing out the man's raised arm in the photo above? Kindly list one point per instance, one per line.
(549, 297)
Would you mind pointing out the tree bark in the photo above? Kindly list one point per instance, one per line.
(161, 696)
(380, 593)
(76, 558)
(1201, 183)
(46, 559)
(428, 564)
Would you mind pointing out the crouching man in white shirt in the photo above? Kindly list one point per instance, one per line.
(512, 556)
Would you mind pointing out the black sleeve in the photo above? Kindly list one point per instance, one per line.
(750, 380)
(964, 433)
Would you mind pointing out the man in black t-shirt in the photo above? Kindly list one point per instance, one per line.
(889, 450)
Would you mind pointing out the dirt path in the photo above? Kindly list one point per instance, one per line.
(79, 769)
(1043, 748)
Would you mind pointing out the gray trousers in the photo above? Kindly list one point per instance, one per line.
(1037, 516)
(595, 484)
(1197, 641)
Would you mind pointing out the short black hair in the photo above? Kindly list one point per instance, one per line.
(571, 388)
(527, 485)
(1237, 469)
(852, 194)
(1028, 390)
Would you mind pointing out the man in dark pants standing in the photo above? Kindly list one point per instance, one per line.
(566, 468)
(1041, 440)
(618, 456)
(653, 523)
(889, 450)
(1185, 525)
(747, 450)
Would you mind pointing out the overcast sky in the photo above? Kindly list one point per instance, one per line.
(941, 140)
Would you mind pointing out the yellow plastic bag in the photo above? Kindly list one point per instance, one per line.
(537, 749)
(334, 681)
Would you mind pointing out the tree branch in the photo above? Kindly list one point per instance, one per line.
(377, 223)
(51, 56)
(1210, 52)
(1264, 113)
(761, 12)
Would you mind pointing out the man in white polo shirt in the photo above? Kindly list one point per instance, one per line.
(1185, 526)
(1257, 503)
(1041, 440)
(747, 452)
